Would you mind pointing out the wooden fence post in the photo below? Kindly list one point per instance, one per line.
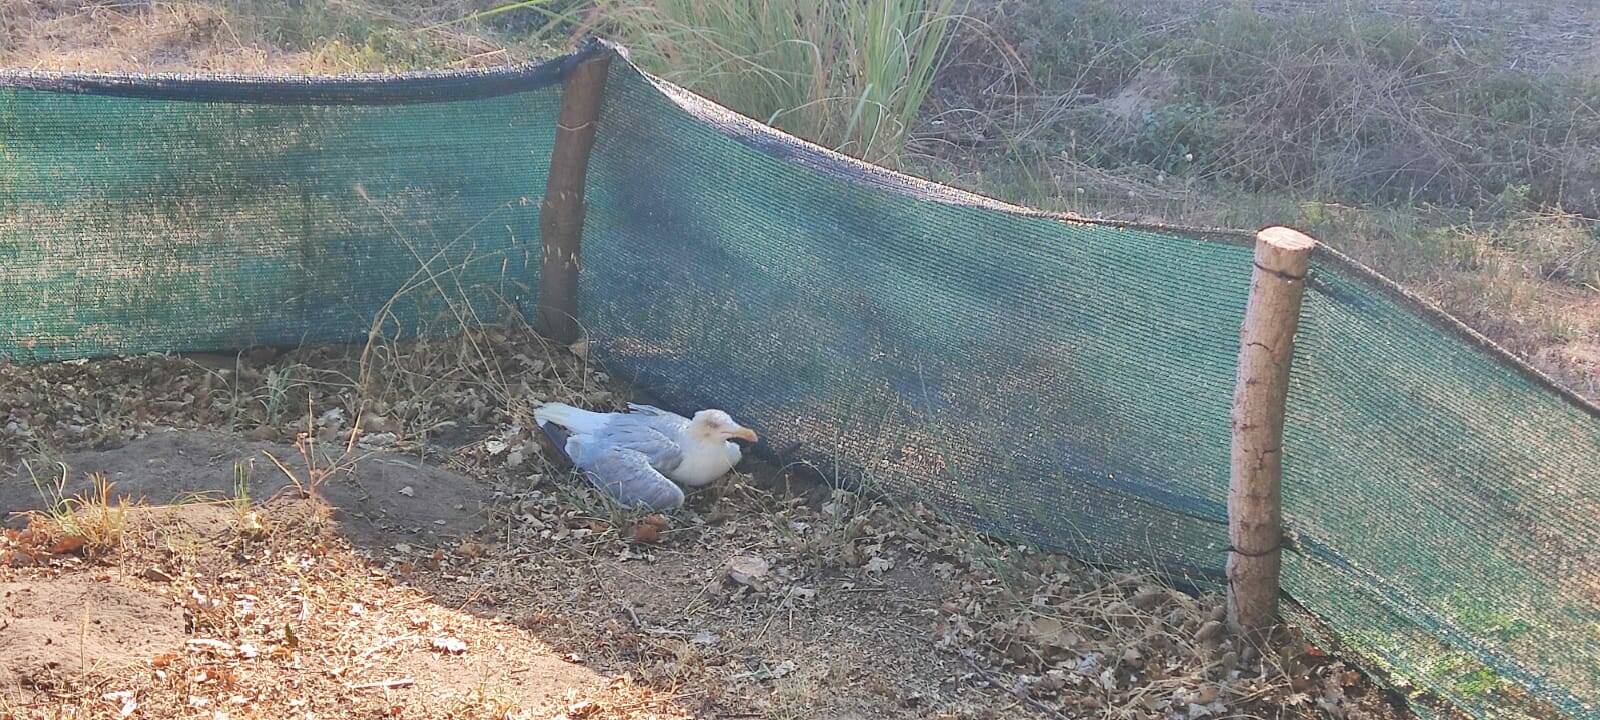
(562, 211)
(1266, 347)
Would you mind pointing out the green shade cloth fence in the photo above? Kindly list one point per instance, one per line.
(1052, 380)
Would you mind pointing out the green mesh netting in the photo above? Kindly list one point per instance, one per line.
(175, 215)
(1063, 382)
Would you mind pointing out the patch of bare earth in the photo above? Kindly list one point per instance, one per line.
(1571, 356)
(56, 628)
(214, 606)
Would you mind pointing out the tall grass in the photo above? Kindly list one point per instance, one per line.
(849, 75)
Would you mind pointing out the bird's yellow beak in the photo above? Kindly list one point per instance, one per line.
(745, 434)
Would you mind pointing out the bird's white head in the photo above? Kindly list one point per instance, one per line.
(716, 425)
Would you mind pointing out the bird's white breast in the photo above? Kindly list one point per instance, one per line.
(705, 463)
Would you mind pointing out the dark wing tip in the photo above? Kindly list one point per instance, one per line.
(557, 436)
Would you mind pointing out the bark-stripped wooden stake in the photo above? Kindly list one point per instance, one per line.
(1266, 347)
(561, 213)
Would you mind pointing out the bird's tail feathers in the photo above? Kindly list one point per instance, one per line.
(577, 420)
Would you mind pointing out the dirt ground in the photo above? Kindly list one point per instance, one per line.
(408, 579)
(412, 560)
(413, 554)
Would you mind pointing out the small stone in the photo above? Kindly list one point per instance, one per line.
(449, 645)
(407, 491)
(155, 574)
(378, 440)
(646, 533)
(68, 545)
(1147, 598)
(748, 570)
(251, 526)
(333, 418)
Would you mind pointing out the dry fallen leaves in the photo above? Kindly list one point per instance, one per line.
(124, 702)
(213, 647)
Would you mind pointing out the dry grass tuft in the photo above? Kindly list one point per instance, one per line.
(91, 523)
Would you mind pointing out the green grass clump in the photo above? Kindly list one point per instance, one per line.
(849, 75)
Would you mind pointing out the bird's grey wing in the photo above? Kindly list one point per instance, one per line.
(640, 436)
(651, 410)
(626, 476)
(669, 423)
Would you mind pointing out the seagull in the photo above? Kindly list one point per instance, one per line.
(636, 457)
